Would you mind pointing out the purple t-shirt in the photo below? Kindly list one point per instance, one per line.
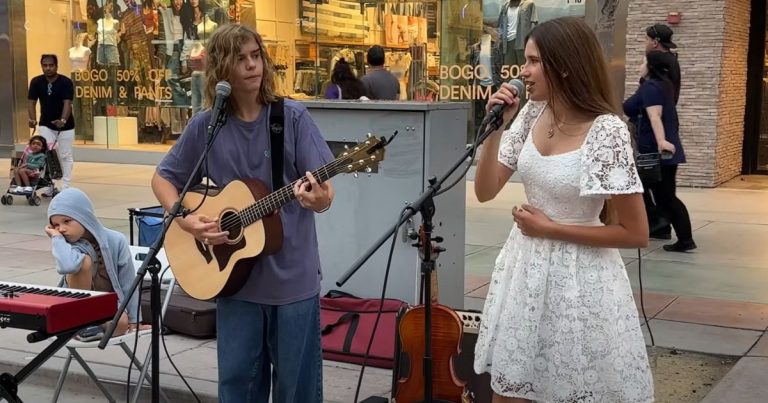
(242, 151)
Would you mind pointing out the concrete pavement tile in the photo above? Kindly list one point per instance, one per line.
(653, 302)
(727, 244)
(735, 283)
(481, 263)
(760, 349)
(631, 254)
(47, 277)
(340, 381)
(480, 292)
(706, 311)
(472, 283)
(11, 238)
(744, 383)
(726, 205)
(488, 234)
(42, 243)
(468, 249)
(25, 259)
(701, 338)
(200, 362)
(472, 303)
(48, 373)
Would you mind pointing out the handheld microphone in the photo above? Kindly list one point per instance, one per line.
(219, 112)
(497, 112)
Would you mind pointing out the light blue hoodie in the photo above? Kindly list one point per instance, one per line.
(115, 252)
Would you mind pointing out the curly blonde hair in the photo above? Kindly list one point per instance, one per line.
(222, 51)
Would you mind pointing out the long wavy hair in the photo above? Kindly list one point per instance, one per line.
(575, 66)
(577, 73)
(221, 58)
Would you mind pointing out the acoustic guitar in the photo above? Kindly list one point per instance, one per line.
(251, 215)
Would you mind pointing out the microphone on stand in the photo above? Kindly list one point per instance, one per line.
(496, 114)
(219, 110)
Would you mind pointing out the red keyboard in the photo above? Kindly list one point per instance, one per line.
(53, 310)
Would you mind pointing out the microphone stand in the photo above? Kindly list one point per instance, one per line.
(152, 265)
(425, 204)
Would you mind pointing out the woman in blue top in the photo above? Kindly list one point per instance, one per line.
(653, 108)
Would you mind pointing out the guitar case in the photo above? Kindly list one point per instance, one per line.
(185, 315)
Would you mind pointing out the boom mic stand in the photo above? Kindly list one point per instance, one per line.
(152, 265)
(425, 204)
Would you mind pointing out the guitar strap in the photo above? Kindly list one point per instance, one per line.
(276, 141)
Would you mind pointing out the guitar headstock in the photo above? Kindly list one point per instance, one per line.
(363, 156)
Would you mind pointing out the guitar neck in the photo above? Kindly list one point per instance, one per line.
(279, 198)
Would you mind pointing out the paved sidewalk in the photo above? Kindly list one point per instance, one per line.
(714, 300)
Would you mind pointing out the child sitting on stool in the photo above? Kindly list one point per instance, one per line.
(90, 256)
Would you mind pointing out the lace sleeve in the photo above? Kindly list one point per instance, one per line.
(608, 166)
(512, 139)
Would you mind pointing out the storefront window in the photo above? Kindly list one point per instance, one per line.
(137, 65)
(483, 43)
(336, 29)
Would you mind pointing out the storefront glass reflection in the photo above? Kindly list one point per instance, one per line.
(138, 65)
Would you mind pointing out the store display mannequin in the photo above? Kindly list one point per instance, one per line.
(516, 19)
(107, 35)
(82, 104)
(197, 84)
(487, 53)
(206, 28)
(80, 54)
(485, 78)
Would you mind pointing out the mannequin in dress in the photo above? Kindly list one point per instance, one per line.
(197, 62)
(107, 32)
(82, 106)
(80, 54)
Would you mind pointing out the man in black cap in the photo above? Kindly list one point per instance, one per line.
(659, 37)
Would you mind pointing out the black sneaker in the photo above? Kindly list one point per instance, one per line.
(90, 333)
(680, 246)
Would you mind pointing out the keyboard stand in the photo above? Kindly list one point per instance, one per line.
(9, 384)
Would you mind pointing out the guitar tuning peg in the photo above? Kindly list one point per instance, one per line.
(354, 174)
(346, 146)
(438, 239)
(369, 135)
(368, 170)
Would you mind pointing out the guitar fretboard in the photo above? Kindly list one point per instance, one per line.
(275, 200)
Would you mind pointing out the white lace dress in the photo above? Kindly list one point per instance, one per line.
(560, 323)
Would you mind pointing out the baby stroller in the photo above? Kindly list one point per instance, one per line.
(50, 170)
(43, 181)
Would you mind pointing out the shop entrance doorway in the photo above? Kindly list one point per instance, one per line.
(755, 150)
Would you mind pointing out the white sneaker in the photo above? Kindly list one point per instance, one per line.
(27, 189)
(48, 192)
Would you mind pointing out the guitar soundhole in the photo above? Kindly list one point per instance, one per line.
(230, 221)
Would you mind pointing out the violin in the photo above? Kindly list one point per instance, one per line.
(447, 331)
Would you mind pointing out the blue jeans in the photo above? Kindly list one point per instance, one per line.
(173, 65)
(269, 345)
(198, 86)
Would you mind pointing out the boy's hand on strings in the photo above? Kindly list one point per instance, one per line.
(205, 229)
(52, 232)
